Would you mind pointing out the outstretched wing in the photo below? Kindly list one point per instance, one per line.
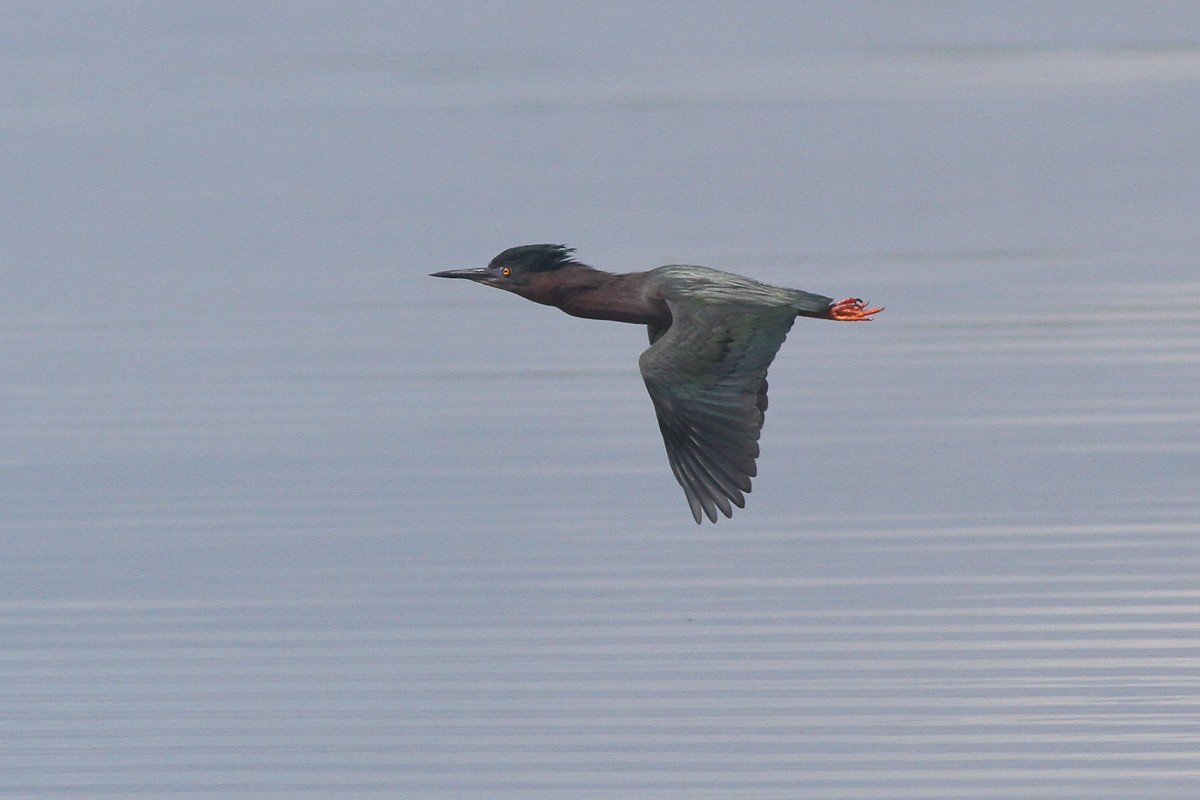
(707, 376)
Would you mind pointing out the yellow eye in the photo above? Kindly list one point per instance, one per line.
(506, 271)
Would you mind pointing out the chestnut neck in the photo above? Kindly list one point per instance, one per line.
(583, 291)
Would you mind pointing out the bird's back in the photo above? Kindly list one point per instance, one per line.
(695, 285)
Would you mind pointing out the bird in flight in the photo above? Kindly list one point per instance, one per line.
(713, 335)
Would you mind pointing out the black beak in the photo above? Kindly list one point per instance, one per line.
(480, 274)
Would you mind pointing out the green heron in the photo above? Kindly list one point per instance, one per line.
(713, 335)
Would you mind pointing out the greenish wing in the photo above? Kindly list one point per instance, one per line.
(707, 376)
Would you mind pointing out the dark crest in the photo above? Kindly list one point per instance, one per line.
(534, 258)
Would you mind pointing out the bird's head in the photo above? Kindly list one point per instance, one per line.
(516, 266)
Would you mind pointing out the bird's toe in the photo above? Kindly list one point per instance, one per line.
(852, 309)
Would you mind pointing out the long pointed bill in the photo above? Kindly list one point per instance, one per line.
(470, 274)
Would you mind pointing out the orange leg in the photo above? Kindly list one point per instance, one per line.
(852, 309)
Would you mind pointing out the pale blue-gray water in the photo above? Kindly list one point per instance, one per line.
(283, 517)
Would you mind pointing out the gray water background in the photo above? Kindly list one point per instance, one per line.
(282, 517)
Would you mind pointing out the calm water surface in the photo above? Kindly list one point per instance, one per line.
(285, 518)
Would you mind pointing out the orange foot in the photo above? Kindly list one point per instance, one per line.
(852, 309)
